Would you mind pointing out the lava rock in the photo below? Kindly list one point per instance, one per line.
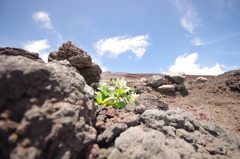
(78, 59)
(9, 51)
(155, 81)
(175, 77)
(45, 110)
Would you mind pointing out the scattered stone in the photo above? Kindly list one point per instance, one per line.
(141, 89)
(143, 80)
(155, 81)
(150, 101)
(110, 112)
(140, 109)
(130, 119)
(111, 133)
(45, 111)
(166, 88)
(175, 77)
(202, 79)
(78, 59)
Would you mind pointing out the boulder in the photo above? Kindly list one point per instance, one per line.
(45, 109)
(155, 81)
(9, 51)
(175, 77)
(175, 134)
(202, 79)
(167, 88)
(78, 59)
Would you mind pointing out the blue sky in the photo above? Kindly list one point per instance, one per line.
(135, 36)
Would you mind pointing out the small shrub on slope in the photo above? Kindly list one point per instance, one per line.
(116, 94)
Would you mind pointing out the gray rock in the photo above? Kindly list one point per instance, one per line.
(140, 109)
(175, 117)
(130, 119)
(155, 81)
(202, 79)
(167, 88)
(135, 143)
(150, 101)
(175, 77)
(132, 107)
(45, 110)
(78, 59)
(111, 133)
(141, 89)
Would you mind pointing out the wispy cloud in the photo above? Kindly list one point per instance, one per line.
(43, 18)
(197, 41)
(188, 15)
(187, 63)
(39, 46)
(120, 44)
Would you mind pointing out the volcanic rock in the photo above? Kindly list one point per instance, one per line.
(167, 88)
(45, 111)
(175, 134)
(9, 51)
(175, 77)
(78, 59)
(150, 101)
(155, 81)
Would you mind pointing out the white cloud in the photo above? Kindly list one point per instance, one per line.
(189, 19)
(39, 46)
(99, 62)
(120, 44)
(187, 64)
(197, 42)
(43, 17)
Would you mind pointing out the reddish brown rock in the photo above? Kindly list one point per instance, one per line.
(9, 51)
(78, 59)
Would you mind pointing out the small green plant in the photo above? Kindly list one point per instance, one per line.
(116, 94)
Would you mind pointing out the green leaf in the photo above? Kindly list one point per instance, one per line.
(121, 105)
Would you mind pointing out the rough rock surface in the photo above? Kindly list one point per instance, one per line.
(78, 59)
(9, 51)
(175, 77)
(150, 101)
(155, 81)
(175, 134)
(45, 110)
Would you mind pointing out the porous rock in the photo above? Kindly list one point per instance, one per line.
(9, 51)
(175, 77)
(155, 81)
(175, 134)
(111, 133)
(78, 59)
(45, 110)
(150, 101)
